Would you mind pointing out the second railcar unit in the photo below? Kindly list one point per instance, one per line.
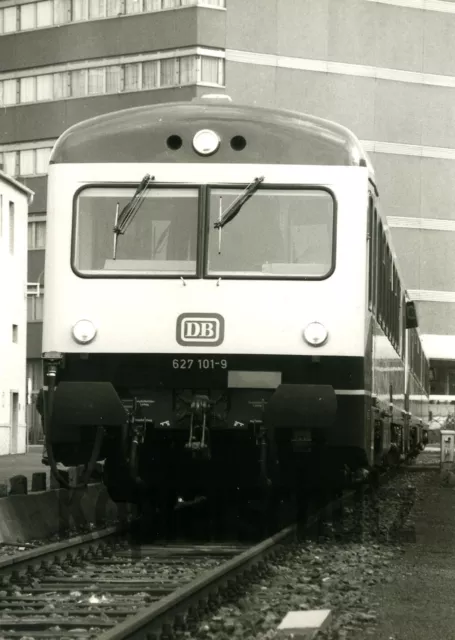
(221, 299)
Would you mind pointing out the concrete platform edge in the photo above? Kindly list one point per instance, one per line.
(33, 516)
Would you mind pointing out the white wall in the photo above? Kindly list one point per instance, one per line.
(13, 311)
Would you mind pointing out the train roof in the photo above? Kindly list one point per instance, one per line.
(272, 136)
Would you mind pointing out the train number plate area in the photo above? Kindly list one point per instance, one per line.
(199, 364)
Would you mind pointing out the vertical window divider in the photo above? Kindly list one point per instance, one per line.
(68, 83)
(139, 77)
(158, 74)
(122, 78)
(177, 74)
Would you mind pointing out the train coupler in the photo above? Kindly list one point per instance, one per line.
(199, 432)
(264, 478)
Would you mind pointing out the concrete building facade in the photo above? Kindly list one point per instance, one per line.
(383, 68)
(14, 202)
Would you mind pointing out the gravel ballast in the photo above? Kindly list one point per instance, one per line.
(338, 573)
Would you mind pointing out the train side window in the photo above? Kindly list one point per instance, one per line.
(374, 243)
(400, 321)
(392, 298)
(389, 294)
(384, 283)
(371, 255)
(394, 308)
(383, 280)
(403, 325)
(398, 309)
(380, 245)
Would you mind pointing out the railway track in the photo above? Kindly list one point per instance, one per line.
(106, 586)
(102, 586)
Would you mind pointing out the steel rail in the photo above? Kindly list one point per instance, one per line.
(155, 618)
(52, 552)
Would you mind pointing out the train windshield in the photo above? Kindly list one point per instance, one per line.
(279, 232)
(161, 239)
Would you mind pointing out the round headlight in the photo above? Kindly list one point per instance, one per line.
(206, 142)
(315, 334)
(84, 331)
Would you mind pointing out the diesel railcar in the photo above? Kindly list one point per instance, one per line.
(223, 304)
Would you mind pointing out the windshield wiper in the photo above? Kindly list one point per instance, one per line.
(238, 203)
(126, 216)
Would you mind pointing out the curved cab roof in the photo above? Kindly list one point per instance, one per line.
(272, 136)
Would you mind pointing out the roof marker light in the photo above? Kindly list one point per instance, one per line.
(206, 142)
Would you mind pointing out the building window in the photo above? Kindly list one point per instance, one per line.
(61, 85)
(26, 162)
(27, 16)
(44, 14)
(44, 87)
(150, 74)
(27, 89)
(62, 11)
(97, 9)
(8, 92)
(132, 77)
(9, 160)
(114, 79)
(15, 333)
(51, 13)
(11, 228)
(9, 19)
(36, 234)
(170, 71)
(35, 308)
(96, 81)
(133, 6)
(79, 83)
(114, 7)
(211, 70)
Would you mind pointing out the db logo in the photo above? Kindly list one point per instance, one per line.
(200, 329)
